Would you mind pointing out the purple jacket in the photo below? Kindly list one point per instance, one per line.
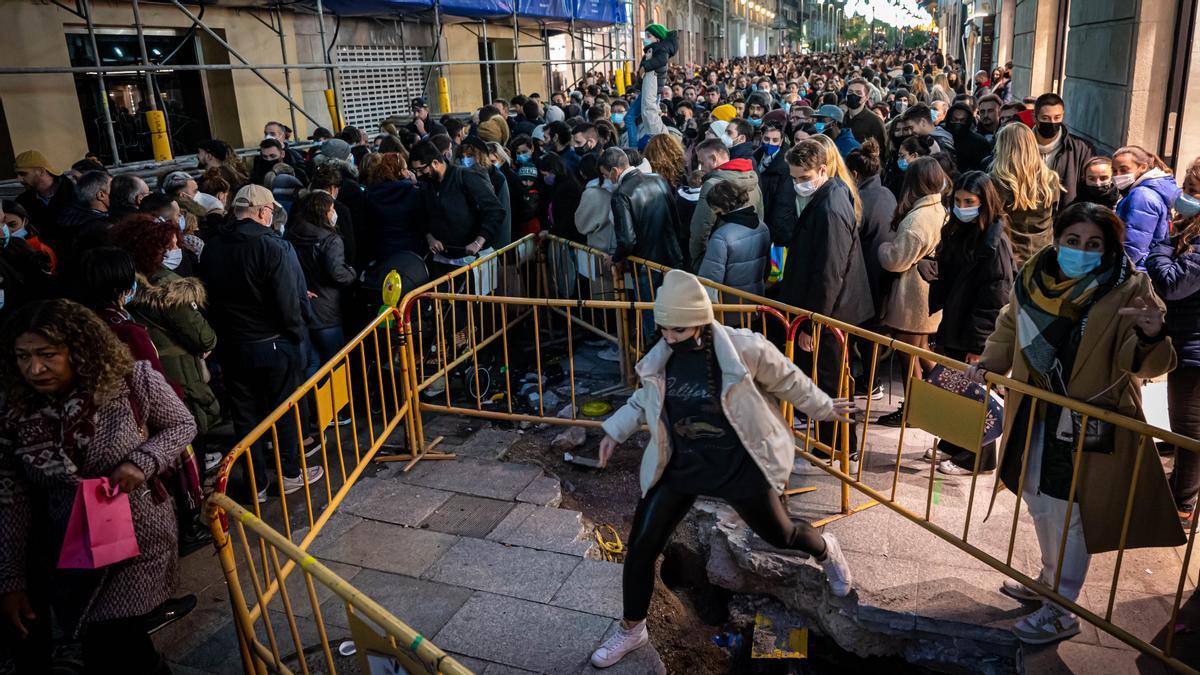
(1146, 211)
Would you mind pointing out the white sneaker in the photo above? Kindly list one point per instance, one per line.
(951, 469)
(212, 460)
(619, 644)
(1019, 591)
(262, 496)
(1049, 624)
(290, 485)
(610, 354)
(837, 571)
(930, 454)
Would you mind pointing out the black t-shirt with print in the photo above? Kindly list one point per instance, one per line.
(707, 456)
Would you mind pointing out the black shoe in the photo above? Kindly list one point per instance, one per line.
(892, 419)
(170, 611)
(190, 542)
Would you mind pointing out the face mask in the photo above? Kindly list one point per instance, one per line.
(1123, 181)
(689, 345)
(853, 101)
(787, 107)
(956, 128)
(468, 162)
(770, 148)
(20, 233)
(966, 215)
(1048, 129)
(933, 115)
(549, 179)
(172, 258)
(524, 157)
(617, 118)
(902, 164)
(646, 42)
(901, 106)
(755, 121)
(182, 223)
(727, 141)
(805, 189)
(1186, 205)
(820, 127)
(1076, 263)
(5, 235)
(333, 218)
(128, 297)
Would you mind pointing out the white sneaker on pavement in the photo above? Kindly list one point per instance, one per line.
(290, 485)
(619, 644)
(212, 460)
(1019, 591)
(1049, 624)
(837, 571)
(949, 468)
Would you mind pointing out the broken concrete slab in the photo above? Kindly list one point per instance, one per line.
(393, 501)
(523, 634)
(507, 570)
(544, 529)
(487, 443)
(594, 587)
(543, 491)
(387, 547)
(482, 478)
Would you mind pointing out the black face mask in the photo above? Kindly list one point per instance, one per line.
(430, 179)
(853, 101)
(1048, 129)
(957, 128)
(1105, 194)
(689, 345)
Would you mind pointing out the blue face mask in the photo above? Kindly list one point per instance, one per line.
(933, 116)
(755, 121)
(128, 297)
(468, 162)
(820, 126)
(902, 164)
(1186, 205)
(1076, 263)
(20, 234)
(5, 235)
(646, 42)
(524, 157)
(617, 118)
(770, 148)
(787, 107)
(966, 215)
(173, 257)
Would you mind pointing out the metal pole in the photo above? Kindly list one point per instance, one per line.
(108, 121)
(487, 67)
(141, 35)
(437, 47)
(725, 24)
(287, 74)
(239, 57)
(691, 34)
(574, 55)
(549, 68)
(324, 49)
(516, 53)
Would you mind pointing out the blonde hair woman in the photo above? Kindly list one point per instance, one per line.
(1029, 189)
(833, 159)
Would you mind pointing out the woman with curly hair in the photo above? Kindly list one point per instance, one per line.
(665, 154)
(78, 406)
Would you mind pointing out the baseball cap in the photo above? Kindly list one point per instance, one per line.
(174, 180)
(34, 159)
(417, 103)
(253, 196)
(831, 112)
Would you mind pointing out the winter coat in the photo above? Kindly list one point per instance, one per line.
(866, 124)
(846, 142)
(46, 216)
(170, 307)
(500, 187)
(326, 271)
(825, 271)
(778, 196)
(559, 202)
(741, 172)
(1177, 281)
(1110, 350)
(594, 218)
(916, 237)
(1146, 211)
(396, 213)
(739, 252)
(755, 376)
(1068, 164)
(973, 283)
(656, 55)
(878, 207)
(644, 219)
(463, 206)
(40, 494)
(1030, 231)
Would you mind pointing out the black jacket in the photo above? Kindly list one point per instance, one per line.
(742, 151)
(825, 272)
(1068, 164)
(1177, 281)
(655, 57)
(500, 187)
(46, 216)
(971, 149)
(461, 207)
(778, 195)
(878, 207)
(253, 292)
(644, 219)
(323, 259)
(396, 214)
(975, 277)
(80, 230)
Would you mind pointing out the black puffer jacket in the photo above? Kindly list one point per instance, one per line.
(778, 195)
(645, 220)
(323, 258)
(396, 211)
(1176, 279)
(253, 290)
(655, 56)
(975, 278)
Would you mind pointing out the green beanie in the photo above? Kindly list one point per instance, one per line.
(657, 30)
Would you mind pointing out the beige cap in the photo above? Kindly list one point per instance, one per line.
(682, 302)
(33, 159)
(253, 196)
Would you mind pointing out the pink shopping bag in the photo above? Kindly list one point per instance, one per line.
(100, 531)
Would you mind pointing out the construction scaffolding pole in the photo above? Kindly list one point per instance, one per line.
(287, 74)
(487, 67)
(108, 121)
(574, 54)
(549, 68)
(141, 36)
(516, 52)
(725, 27)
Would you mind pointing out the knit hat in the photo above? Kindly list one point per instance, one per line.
(494, 130)
(718, 128)
(724, 112)
(34, 159)
(336, 148)
(554, 114)
(682, 302)
(657, 30)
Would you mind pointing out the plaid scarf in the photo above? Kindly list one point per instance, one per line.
(1050, 311)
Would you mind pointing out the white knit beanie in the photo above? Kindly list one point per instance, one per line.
(682, 302)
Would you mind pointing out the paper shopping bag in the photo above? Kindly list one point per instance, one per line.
(100, 531)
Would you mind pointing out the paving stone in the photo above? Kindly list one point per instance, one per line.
(501, 669)
(477, 666)
(523, 634)
(594, 587)
(544, 529)
(482, 478)
(489, 443)
(454, 429)
(393, 501)
(387, 547)
(468, 516)
(298, 590)
(543, 491)
(426, 606)
(507, 570)
(643, 661)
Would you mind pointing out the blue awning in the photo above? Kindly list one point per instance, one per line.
(374, 7)
(599, 12)
(476, 9)
(545, 9)
(586, 12)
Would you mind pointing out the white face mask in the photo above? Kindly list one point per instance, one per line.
(1123, 180)
(727, 141)
(172, 258)
(182, 223)
(805, 189)
(333, 217)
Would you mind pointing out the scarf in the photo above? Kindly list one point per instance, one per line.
(1050, 311)
(57, 434)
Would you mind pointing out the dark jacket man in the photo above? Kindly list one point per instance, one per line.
(778, 196)
(645, 220)
(1068, 163)
(46, 214)
(461, 207)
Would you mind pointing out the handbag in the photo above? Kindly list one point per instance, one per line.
(1099, 436)
(100, 530)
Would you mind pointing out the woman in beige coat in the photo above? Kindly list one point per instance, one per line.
(1082, 323)
(710, 394)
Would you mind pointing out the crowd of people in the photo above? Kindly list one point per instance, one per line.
(888, 190)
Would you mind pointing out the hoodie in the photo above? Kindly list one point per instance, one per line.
(656, 54)
(742, 173)
(1146, 211)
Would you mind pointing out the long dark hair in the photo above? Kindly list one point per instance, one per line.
(923, 177)
(1106, 219)
(962, 236)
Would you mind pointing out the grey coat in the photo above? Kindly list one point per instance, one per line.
(738, 252)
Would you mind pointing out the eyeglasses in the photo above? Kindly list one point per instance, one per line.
(421, 170)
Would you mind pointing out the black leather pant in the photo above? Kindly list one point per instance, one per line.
(659, 513)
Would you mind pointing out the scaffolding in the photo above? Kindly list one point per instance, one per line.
(614, 42)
